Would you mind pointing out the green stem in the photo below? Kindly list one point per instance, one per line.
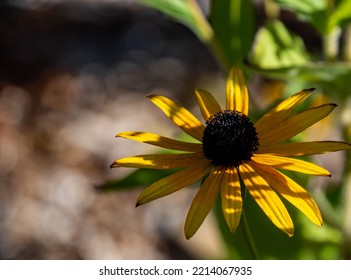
(331, 44)
(346, 195)
(346, 230)
(347, 44)
(248, 237)
(331, 39)
(330, 215)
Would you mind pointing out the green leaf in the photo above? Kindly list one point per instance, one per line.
(186, 12)
(313, 11)
(275, 48)
(233, 25)
(333, 77)
(140, 177)
(305, 7)
(322, 16)
(340, 16)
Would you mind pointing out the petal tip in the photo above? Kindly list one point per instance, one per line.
(289, 232)
(113, 165)
(232, 229)
(150, 96)
(140, 201)
(189, 232)
(188, 235)
(310, 89)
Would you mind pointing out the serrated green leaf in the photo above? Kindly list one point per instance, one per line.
(186, 12)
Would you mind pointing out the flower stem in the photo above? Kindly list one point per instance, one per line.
(248, 237)
(347, 44)
(346, 192)
(332, 37)
(330, 44)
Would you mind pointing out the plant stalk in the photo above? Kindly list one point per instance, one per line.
(248, 237)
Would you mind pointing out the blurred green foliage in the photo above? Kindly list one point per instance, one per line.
(233, 25)
(186, 12)
(324, 16)
(139, 177)
(276, 48)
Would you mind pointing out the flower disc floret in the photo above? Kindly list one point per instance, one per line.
(229, 138)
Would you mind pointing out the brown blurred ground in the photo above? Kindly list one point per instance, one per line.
(71, 77)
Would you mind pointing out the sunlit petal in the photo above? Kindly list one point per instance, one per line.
(237, 97)
(281, 112)
(292, 164)
(294, 125)
(203, 202)
(160, 141)
(231, 198)
(207, 103)
(267, 199)
(174, 182)
(304, 148)
(179, 115)
(291, 191)
(159, 161)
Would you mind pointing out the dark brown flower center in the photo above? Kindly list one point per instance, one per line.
(229, 138)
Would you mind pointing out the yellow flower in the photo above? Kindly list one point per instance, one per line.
(229, 148)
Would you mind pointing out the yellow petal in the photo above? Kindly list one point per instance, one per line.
(203, 202)
(207, 103)
(237, 97)
(159, 161)
(282, 111)
(291, 191)
(231, 198)
(160, 141)
(174, 182)
(179, 115)
(304, 148)
(294, 125)
(291, 164)
(267, 199)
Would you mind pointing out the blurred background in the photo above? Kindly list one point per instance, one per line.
(72, 75)
(75, 73)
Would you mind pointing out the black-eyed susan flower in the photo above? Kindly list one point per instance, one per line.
(231, 149)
